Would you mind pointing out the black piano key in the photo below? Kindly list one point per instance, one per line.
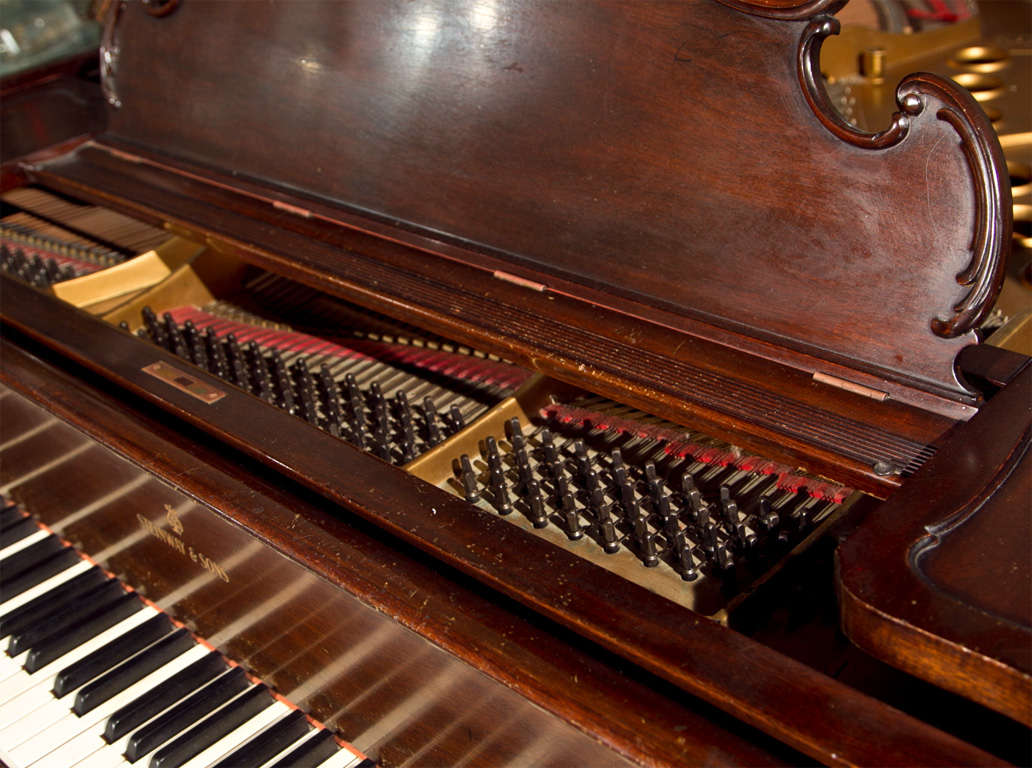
(10, 515)
(111, 655)
(212, 728)
(57, 618)
(56, 599)
(184, 714)
(34, 554)
(269, 743)
(57, 562)
(16, 531)
(161, 697)
(139, 666)
(59, 644)
(310, 754)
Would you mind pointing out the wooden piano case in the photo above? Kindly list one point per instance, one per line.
(652, 202)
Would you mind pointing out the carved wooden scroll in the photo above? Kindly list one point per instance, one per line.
(952, 104)
(675, 162)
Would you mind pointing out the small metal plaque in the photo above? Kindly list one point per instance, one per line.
(185, 382)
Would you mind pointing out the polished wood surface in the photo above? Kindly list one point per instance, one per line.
(654, 201)
(342, 601)
(701, 657)
(706, 382)
(625, 162)
(937, 580)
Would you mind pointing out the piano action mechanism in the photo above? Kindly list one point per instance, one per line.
(521, 383)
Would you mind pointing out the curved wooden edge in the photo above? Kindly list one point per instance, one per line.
(786, 10)
(916, 94)
(781, 697)
(933, 658)
(916, 619)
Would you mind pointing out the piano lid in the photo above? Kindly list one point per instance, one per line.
(673, 161)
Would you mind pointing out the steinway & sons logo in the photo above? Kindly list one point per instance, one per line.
(172, 537)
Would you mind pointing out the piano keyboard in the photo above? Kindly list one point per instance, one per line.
(94, 677)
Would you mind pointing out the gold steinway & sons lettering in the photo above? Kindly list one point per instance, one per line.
(180, 546)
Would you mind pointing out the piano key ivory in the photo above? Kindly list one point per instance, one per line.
(94, 676)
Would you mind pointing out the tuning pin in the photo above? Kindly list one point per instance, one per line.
(709, 537)
(536, 515)
(610, 541)
(647, 550)
(53, 271)
(729, 508)
(455, 419)
(282, 385)
(216, 354)
(692, 501)
(580, 456)
(330, 394)
(176, 344)
(469, 479)
(685, 562)
(237, 362)
(493, 456)
(307, 394)
(514, 432)
(724, 559)
(767, 517)
(154, 328)
(500, 492)
(571, 521)
(433, 429)
(655, 485)
(671, 525)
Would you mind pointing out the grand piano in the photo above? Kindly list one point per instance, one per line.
(512, 383)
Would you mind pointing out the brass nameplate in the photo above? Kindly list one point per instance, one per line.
(185, 382)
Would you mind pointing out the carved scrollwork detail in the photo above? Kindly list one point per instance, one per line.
(786, 10)
(109, 51)
(984, 274)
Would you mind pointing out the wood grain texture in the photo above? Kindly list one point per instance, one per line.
(717, 388)
(288, 619)
(937, 581)
(808, 711)
(669, 157)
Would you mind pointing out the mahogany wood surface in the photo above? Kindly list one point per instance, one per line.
(777, 410)
(58, 109)
(673, 155)
(937, 581)
(810, 712)
(310, 572)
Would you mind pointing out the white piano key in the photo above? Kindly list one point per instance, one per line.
(282, 753)
(45, 676)
(238, 736)
(60, 725)
(28, 541)
(10, 666)
(43, 587)
(344, 758)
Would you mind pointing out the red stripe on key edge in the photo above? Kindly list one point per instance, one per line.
(676, 445)
(197, 638)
